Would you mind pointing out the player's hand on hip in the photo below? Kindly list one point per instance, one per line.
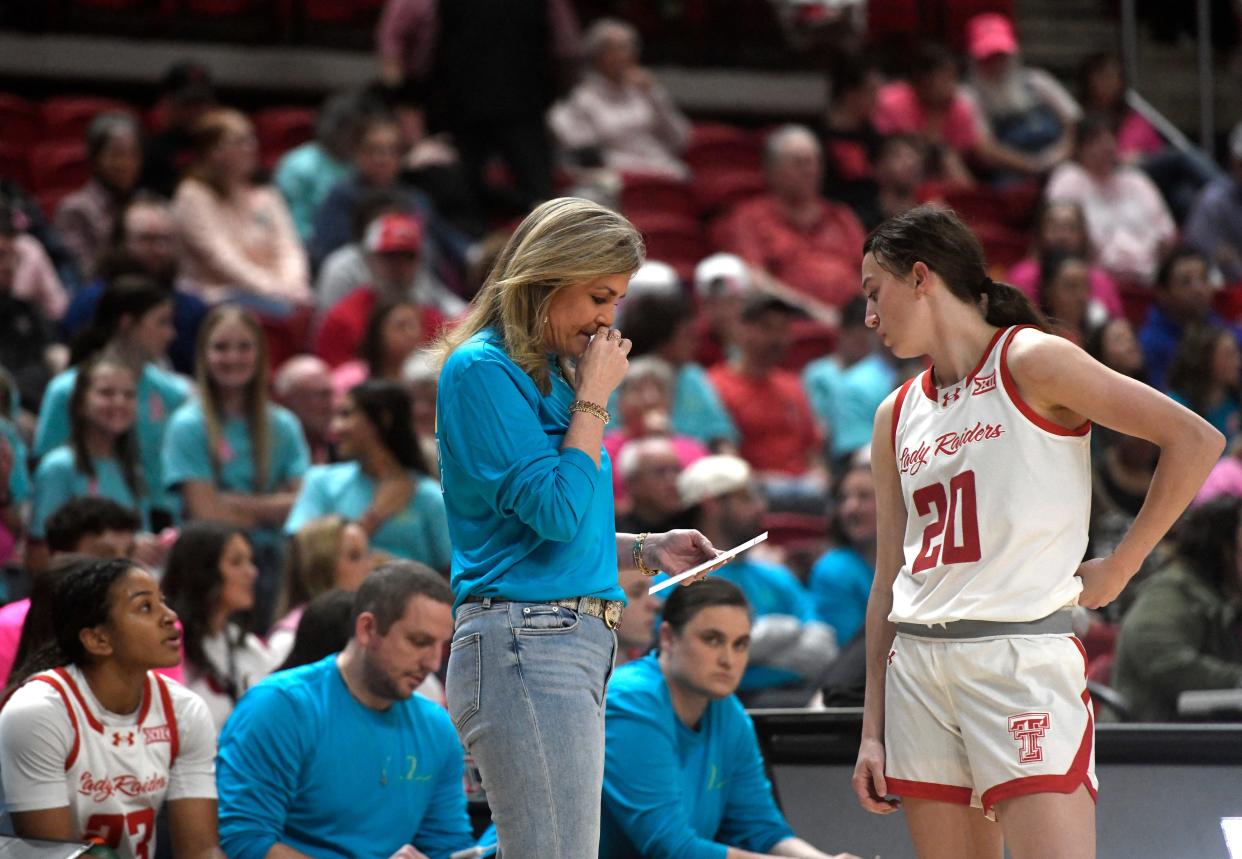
(869, 784)
(1102, 580)
(602, 366)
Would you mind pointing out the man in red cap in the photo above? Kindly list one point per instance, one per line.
(392, 243)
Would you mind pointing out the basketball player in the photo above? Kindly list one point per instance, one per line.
(96, 745)
(976, 689)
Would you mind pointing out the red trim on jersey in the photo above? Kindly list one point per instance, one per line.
(1067, 783)
(77, 693)
(929, 383)
(146, 700)
(897, 404)
(929, 790)
(1011, 388)
(73, 720)
(170, 715)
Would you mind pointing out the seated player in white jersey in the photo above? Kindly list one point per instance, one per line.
(97, 742)
(976, 689)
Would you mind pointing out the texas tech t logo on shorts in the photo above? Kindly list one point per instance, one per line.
(1028, 729)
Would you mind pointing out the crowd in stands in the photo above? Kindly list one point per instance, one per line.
(227, 381)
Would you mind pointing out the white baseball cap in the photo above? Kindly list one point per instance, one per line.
(721, 274)
(711, 477)
(655, 278)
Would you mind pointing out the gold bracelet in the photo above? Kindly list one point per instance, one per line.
(591, 409)
(637, 553)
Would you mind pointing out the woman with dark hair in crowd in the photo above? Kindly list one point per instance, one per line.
(93, 715)
(240, 241)
(133, 323)
(673, 726)
(235, 456)
(1205, 376)
(101, 457)
(210, 582)
(394, 330)
(1061, 226)
(1115, 345)
(326, 553)
(840, 581)
(1065, 297)
(384, 485)
(325, 627)
(982, 469)
(1182, 632)
(86, 218)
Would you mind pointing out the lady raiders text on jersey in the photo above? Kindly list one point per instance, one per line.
(997, 499)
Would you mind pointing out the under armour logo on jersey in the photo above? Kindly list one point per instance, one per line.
(891, 654)
(951, 396)
(1028, 729)
(126, 738)
(984, 384)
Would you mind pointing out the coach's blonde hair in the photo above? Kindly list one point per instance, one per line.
(562, 242)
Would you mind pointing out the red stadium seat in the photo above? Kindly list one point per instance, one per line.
(57, 165)
(720, 190)
(725, 152)
(282, 128)
(67, 118)
(337, 12)
(643, 195)
(20, 119)
(13, 162)
(674, 239)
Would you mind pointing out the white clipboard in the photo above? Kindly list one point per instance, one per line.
(719, 559)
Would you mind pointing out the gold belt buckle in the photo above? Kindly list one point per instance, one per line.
(612, 613)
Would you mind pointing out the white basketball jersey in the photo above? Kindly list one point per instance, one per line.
(118, 775)
(997, 499)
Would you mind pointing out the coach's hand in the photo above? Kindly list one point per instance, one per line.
(676, 551)
(407, 852)
(869, 784)
(1102, 580)
(602, 366)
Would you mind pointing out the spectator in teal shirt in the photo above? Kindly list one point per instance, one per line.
(840, 581)
(236, 458)
(133, 321)
(791, 646)
(683, 776)
(528, 493)
(306, 173)
(386, 486)
(100, 458)
(339, 759)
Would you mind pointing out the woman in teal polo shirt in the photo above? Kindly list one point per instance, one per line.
(386, 486)
(235, 457)
(133, 321)
(101, 456)
(528, 492)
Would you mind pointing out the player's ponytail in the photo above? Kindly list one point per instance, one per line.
(936, 237)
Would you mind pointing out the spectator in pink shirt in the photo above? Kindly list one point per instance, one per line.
(811, 244)
(644, 402)
(1061, 226)
(1102, 89)
(239, 239)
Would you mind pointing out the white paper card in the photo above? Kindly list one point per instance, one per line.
(731, 553)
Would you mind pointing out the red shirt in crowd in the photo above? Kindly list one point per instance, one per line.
(343, 328)
(821, 262)
(773, 417)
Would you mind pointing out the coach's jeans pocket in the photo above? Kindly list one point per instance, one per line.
(465, 678)
(544, 619)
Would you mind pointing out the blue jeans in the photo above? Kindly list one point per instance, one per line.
(525, 689)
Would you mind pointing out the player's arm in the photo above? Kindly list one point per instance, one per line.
(869, 783)
(1065, 384)
(53, 824)
(193, 825)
